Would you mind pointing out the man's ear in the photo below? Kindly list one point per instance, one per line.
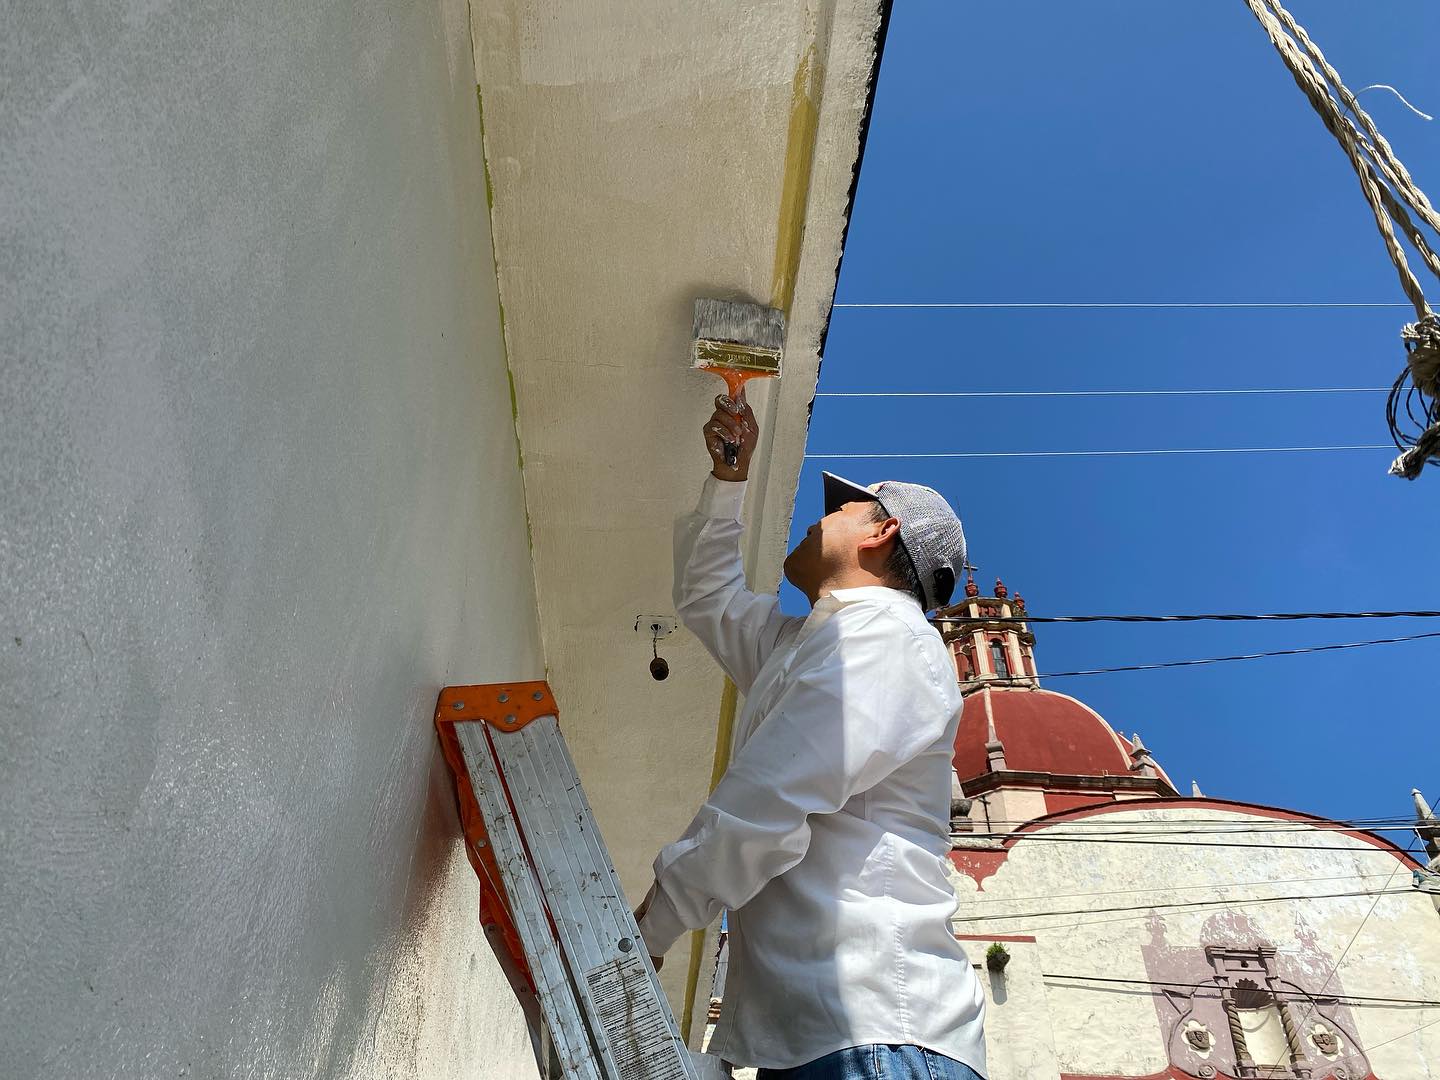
(883, 531)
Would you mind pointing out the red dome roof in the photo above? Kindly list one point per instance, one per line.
(1041, 731)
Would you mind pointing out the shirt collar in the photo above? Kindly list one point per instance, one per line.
(878, 593)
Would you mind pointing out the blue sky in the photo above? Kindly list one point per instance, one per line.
(1050, 152)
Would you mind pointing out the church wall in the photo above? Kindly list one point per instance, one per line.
(1018, 1039)
(1129, 1029)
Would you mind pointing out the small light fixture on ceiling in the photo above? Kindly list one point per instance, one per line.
(657, 626)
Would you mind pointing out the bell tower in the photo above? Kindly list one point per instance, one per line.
(989, 639)
(1022, 751)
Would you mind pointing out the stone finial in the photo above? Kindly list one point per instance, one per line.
(994, 748)
(1422, 808)
(1019, 603)
(1141, 761)
(1000, 590)
(959, 806)
(1195, 792)
(1427, 826)
(971, 589)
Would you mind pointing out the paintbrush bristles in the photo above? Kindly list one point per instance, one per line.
(746, 337)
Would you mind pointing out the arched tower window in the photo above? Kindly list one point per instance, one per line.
(998, 658)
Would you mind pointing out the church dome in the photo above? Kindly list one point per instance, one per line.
(1037, 731)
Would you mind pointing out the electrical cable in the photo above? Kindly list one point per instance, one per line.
(1188, 904)
(1107, 453)
(981, 305)
(1291, 995)
(1025, 929)
(1353, 938)
(1393, 196)
(1034, 836)
(972, 901)
(1103, 821)
(1414, 1031)
(1096, 393)
(1242, 825)
(1025, 680)
(1123, 829)
(1286, 616)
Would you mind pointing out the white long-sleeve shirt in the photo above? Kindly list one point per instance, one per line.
(827, 835)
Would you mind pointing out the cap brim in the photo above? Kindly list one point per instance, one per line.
(839, 491)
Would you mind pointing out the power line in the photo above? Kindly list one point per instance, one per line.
(1187, 904)
(1235, 903)
(1365, 999)
(972, 901)
(1221, 659)
(1132, 918)
(1098, 393)
(1104, 821)
(1033, 836)
(1414, 1031)
(1287, 616)
(1221, 305)
(1353, 938)
(1123, 829)
(1111, 453)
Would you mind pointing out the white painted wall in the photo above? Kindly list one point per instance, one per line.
(1038, 1028)
(259, 500)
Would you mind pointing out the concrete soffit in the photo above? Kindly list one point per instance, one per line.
(639, 155)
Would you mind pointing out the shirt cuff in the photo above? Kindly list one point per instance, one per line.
(722, 498)
(661, 927)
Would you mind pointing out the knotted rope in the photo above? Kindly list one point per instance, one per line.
(1393, 196)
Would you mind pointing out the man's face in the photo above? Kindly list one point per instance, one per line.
(830, 546)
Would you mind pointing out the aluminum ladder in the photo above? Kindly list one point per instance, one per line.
(550, 902)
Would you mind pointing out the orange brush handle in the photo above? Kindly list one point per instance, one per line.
(735, 381)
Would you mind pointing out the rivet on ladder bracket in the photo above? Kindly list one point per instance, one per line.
(538, 695)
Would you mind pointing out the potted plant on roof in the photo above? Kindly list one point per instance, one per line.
(996, 957)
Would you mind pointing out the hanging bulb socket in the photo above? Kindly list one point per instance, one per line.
(657, 626)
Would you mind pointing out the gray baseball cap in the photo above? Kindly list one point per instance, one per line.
(930, 531)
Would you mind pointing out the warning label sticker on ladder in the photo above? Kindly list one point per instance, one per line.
(624, 998)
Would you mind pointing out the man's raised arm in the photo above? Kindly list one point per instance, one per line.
(738, 626)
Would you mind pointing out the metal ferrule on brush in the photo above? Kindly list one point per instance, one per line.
(736, 357)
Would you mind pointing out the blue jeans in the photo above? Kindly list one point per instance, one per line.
(877, 1062)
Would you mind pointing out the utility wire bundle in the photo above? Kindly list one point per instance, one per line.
(1392, 195)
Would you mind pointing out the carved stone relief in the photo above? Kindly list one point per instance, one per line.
(1207, 997)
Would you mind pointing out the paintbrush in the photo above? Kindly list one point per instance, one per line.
(738, 342)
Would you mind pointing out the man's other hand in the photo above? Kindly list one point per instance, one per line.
(732, 422)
